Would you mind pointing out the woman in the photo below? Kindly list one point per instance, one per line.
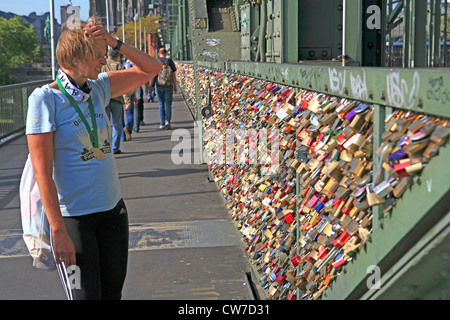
(70, 149)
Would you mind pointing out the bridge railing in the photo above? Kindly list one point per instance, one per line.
(14, 106)
(400, 236)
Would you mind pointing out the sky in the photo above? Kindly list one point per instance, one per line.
(25, 7)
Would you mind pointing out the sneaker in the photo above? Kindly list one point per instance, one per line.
(167, 126)
(117, 152)
(142, 123)
(161, 127)
(127, 133)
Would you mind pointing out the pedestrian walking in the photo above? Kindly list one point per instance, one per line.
(138, 116)
(69, 145)
(129, 112)
(116, 106)
(151, 91)
(166, 86)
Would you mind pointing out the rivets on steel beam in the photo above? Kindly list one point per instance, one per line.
(420, 103)
(409, 288)
(445, 255)
(445, 273)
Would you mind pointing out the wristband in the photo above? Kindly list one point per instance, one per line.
(119, 45)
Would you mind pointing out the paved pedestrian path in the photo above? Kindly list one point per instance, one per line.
(183, 244)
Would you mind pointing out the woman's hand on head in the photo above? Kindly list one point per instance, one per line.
(99, 32)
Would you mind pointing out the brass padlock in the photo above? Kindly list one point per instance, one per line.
(372, 198)
(402, 186)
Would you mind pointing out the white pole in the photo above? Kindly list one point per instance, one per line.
(107, 15)
(135, 31)
(140, 32)
(344, 30)
(123, 22)
(52, 37)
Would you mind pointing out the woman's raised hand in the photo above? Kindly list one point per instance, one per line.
(99, 32)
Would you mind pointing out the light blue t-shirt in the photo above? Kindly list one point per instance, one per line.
(85, 184)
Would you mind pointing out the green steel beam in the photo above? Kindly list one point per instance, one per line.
(395, 12)
(416, 45)
(429, 257)
(418, 90)
(353, 32)
(290, 35)
(379, 115)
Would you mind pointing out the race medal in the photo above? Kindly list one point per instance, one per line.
(93, 134)
(98, 153)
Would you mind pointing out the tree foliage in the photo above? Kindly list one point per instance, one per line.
(18, 45)
(147, 23)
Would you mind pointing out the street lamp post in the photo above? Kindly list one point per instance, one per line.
(107, 15)
(140, 24)
(52, 36)
(123, 22)
(135, 31)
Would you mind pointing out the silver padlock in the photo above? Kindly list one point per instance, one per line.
(383, 189)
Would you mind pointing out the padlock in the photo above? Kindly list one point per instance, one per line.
(207, 112)
(347, 206)
(431, 150)
(440, 135)
(416, 146)
(383, 189)
(402, 186)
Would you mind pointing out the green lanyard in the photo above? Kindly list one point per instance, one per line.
(93, 135)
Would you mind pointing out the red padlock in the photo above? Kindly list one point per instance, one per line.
(286, 92)
(338, 263)
(270, 86)
(327, 280)
(288, 218)
(342, 239)
(293, 295)
(304, 104)
(280, 279)
(400, 169)
(322, 253)
(295, 260)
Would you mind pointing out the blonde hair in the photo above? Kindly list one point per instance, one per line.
(75, 44)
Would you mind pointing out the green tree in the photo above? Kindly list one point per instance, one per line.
(18, 45)
(147, 23)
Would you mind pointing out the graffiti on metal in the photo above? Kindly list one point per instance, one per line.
(420, 90)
